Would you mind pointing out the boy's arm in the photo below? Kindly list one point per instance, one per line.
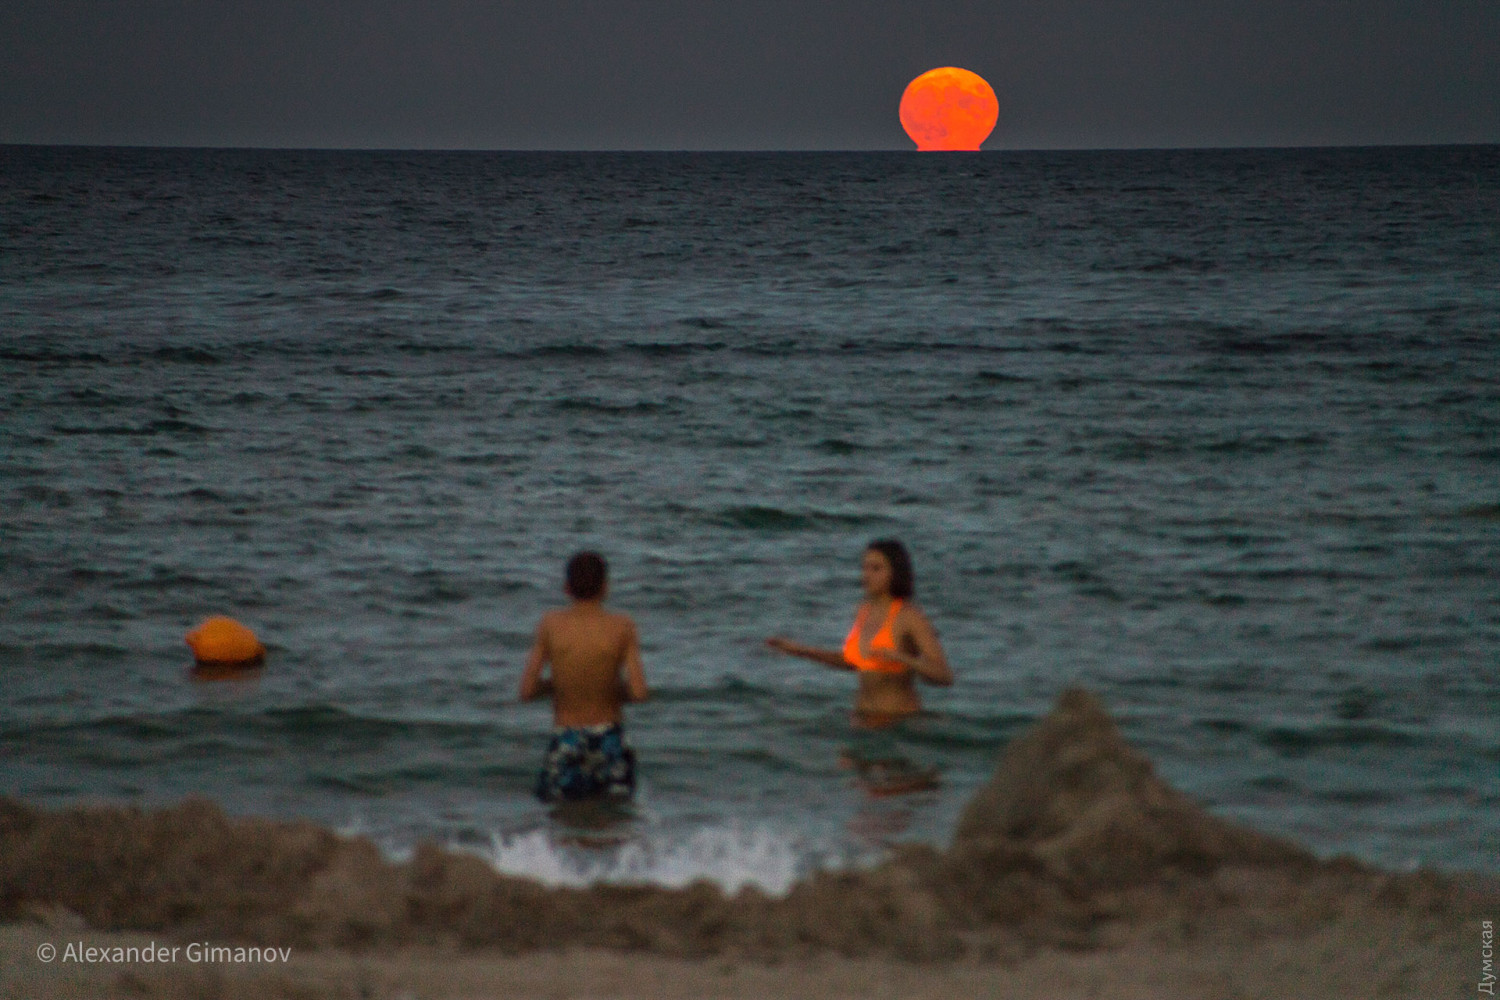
(532, 684)
(635, 673)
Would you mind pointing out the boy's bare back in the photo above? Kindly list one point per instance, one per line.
(588, 648)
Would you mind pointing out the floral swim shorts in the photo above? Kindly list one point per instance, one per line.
(585, 762)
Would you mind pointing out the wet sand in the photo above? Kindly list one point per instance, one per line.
(1074, 872)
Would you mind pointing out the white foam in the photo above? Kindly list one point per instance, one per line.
(732, 857)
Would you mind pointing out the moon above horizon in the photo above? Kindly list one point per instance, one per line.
(949, 109)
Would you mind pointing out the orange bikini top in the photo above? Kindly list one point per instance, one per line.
(885, 638)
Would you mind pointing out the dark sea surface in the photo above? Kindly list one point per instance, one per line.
(1215, 434)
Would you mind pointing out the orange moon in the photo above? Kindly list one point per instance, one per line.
(949, 108)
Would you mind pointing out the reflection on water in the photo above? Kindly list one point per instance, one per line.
(222, 682)
(896, 790)
(884, 776)
(592, 823)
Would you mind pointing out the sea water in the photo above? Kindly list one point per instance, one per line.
(1213, 434)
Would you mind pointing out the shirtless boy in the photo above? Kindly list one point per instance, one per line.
(588, 648)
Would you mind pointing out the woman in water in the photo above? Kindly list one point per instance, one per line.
(891, 644)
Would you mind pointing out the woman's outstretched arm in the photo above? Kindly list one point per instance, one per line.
(828, 657)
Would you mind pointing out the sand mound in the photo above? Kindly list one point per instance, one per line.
(1088, 806)
(1073, 836)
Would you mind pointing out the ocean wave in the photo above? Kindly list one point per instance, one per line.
(362, 351)
(43, 496)
(731, 857)
(1307, 341)
(183, 355)
(1303, 740)
(756, 517)
(728, 688)
(1261, 444)
(165, 426)
(312, 722)
(55, 652)
(640, 407)
(53, 356)
(990, 377)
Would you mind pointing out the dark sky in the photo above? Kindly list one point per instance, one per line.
(741, 74)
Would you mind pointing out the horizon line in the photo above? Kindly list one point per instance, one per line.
(1267, 147)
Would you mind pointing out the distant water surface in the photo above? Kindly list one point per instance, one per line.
(1213, 434)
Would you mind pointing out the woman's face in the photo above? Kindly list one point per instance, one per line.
(875, 574)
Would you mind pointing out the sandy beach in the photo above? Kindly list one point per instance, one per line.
(1353, 957)
(1076, 872)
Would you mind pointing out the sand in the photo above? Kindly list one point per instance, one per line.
(1076, 871)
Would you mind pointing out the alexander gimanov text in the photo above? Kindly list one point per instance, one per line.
(1487, 957)
(195, 953)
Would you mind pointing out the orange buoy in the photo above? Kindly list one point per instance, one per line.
(224, 642)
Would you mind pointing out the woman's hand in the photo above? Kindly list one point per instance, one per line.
(929, 662)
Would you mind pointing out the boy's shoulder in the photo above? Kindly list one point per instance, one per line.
(570, 616)
(620, 621)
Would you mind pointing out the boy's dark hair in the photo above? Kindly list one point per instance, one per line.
(586, 573)
(903, 582)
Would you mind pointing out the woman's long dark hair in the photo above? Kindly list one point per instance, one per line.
(903, 581)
